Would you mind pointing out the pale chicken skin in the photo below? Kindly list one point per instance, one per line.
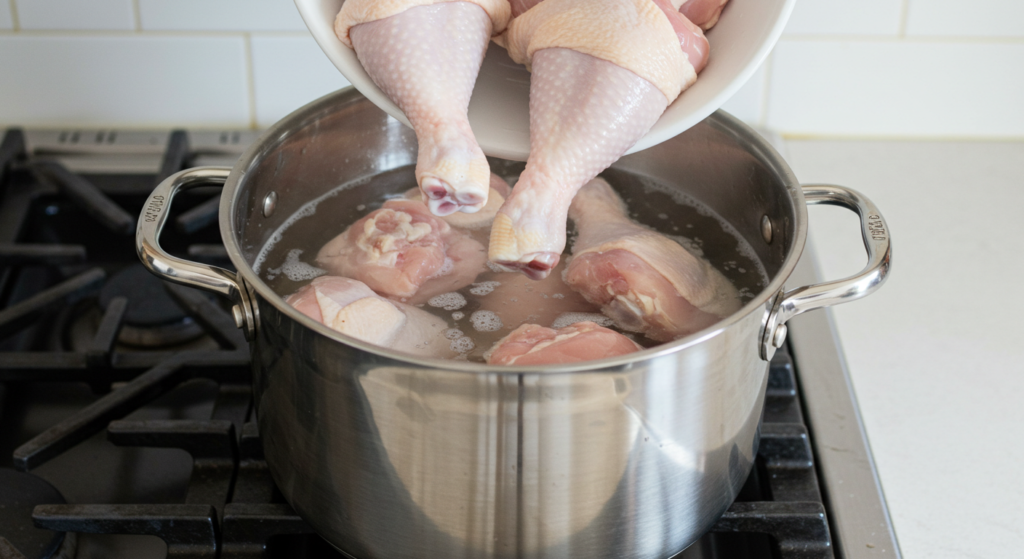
(603, 72)
(403, 252)
(425, 56)
(352, 308)
(531, 344)
(640, 278)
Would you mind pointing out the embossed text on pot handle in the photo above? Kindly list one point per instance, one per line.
(878, 244)
(172, 268)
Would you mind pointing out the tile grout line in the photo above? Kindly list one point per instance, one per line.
(904, 12)
(250, 77)
(137, 11)
(766, 88)
(15, 22)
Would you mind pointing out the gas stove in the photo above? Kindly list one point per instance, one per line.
(126, 406)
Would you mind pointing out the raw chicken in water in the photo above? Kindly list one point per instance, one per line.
(425, 56)
(404, 252)
(603, 72)
(640, 278)
(352, 308)
(531, 344)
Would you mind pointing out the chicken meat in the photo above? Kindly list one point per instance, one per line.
(531, 344)
(641, 279)
(425, 56)
(403, 252)
(352, 308)
(603, 72)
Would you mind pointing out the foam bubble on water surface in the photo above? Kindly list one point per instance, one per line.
(448, 301)
(462, 345)
(458, 315)
(453, 333)
(485, 321)
(484, 288)
(570, 318)
(296, 270)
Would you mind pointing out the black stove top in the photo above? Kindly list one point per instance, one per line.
(125, 402)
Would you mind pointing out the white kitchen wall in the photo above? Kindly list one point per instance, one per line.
(875, 68)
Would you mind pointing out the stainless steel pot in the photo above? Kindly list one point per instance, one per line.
(391, 456)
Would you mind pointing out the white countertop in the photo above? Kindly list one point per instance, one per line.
(935, 356)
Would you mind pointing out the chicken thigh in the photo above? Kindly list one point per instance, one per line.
(603, 72)
(531, 344)
(403, 252)
(643, 280)
(425, 56)
(352, 308)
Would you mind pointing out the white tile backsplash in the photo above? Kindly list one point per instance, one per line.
(289, 72)
(976, 18)
(843, 17)
(76, 14)
(220, 15)
(873, 67)
(897, 88)
(6, 18)
(123, 81)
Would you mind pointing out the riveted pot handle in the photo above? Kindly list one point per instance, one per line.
(878, 244)
(172, 268)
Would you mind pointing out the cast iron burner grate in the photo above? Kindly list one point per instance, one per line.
(65, 238)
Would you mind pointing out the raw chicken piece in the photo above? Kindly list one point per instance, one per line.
(704, 13)
(517, 299)
(425, 56)
(603, 73)
(531, 344)
(404, 252)
(499, 189)
(643, 280)
(352, 308)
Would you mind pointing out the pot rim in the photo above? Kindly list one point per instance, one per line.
(284, 128)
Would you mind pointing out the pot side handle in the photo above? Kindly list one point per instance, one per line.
(878, 244)
(171, 268)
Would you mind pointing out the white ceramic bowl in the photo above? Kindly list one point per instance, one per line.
(499, 109)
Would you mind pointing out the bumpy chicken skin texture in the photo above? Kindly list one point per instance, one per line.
(352, 308)
(403, 252)
(425, 56)
(603, 72)
(640, 278)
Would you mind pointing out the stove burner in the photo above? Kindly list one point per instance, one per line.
(19, 494)
(152, 318)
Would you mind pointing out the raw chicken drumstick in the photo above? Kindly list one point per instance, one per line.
(352, 308)
(642, 280)
(531, 344)
(603, 72)
(403, 252)
(425, 56)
